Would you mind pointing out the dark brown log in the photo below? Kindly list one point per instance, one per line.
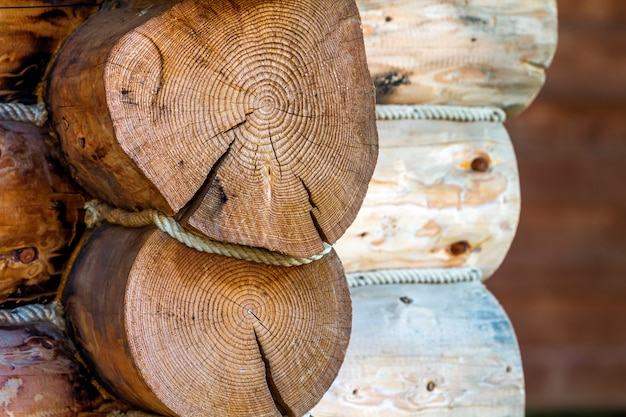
(180, 332)
(251, 120)
(40, 212)
(32, 32)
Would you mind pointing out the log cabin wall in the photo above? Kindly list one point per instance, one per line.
(563, 280)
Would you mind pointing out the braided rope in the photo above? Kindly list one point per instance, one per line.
(130, 414)
(414, 276)
(52, 313)
(17, 112)
(439, 112)
(97, 212)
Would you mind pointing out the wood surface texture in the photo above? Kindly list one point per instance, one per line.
(32, 31)
(427, 350)
(39, 212)
(180, 332)
(563, 282)
(476, 52)
(444, 194)
(38, 373)
(253, 122)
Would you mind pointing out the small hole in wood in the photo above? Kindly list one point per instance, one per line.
(430, 387)
(388, 19)
(509, 369)
(480, 164)
(25, 255)
(406, 300)
(459, 248)
(355, 391)
(473, 39)
(81, 142)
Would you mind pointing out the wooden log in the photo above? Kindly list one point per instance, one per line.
(252, 121)
(479, 52)
(39, 375)
(444, 194)
(33, 32)
(181, 332)
(426, 350)
(39, 213)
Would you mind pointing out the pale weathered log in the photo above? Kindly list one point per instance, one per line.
(39, 211)
(39, 375)
(443, 194)
(181, 332)
(477, 52)
(252, 120)
(428, 350)
(32, 32)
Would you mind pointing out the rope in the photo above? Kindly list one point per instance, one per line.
(414, 276)
(97, 212)
(439, 112)
(17, 112)
(52, 313)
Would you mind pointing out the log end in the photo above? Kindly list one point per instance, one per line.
(204, 334)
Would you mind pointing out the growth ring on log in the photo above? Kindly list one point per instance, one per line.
(253, 120)
(222, 338)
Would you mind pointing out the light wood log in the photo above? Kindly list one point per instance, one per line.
(38, 373)
(477, 52)
(180, 332)
(39, 212)
(252, 120)
(428, 350)
(444, 194)
(32, 32)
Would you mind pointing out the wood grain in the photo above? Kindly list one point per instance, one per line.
(40, 212)
(39, 375)
(425, 350)
(443, 194)
(33, 32)
(479, 52)
(185, 333)
(254, 123)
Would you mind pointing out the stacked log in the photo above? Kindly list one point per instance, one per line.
(33, 32)
(247, 125)
(441, 211)
(250, 125)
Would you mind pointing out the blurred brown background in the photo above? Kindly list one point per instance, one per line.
(563, 283)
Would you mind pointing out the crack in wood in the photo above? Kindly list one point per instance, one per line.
(279, 402)
(314, 220)
(189, 209)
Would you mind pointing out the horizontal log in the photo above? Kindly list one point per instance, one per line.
(39, 374)
(180, 332)
(39, 212)
(33, 31)
(427, 350)
(487, 52)
(253, 122)
(443, 194)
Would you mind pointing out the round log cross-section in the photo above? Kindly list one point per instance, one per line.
(252, 120)
(181, 332)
